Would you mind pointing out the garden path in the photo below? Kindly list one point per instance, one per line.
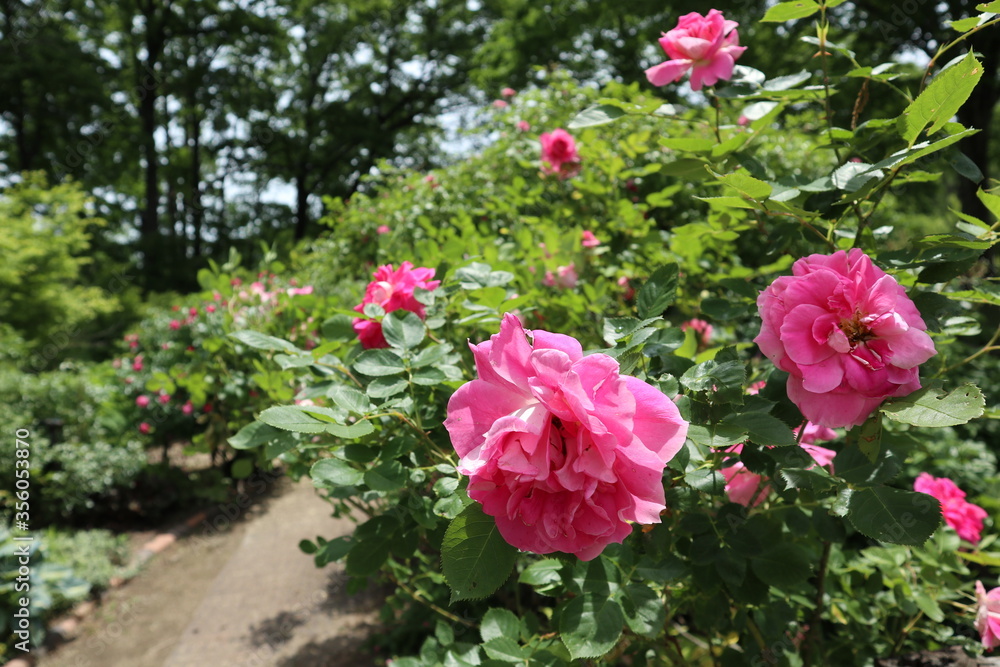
(245, 596)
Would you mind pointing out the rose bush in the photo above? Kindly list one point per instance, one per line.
(468, 471)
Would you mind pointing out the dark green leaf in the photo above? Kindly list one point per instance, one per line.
(498, 623)
(590, 625)
(658, 292)
(894, 515)
(762, 428)
(782, 565)
(474, 557)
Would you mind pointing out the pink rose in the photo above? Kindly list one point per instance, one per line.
(742, 121)
(187, 408)
(629, 291)
(137, 363)
(523, 125)
(392, 290)
(589, 240)
(707, 45)
(755, 388)
(210, 308)
(508, 92)
(142, 401)
(965, 517)
(701, 327)
(383, 229)
(559, 155)
(175, 325)
(163, 398)
(144, 428)
(847, 335)
(559, 448)
(565, 277)
(988, 616)
(295, 291)
(192, 311)
(500, 104)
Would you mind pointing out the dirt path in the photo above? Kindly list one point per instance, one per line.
(239, 593)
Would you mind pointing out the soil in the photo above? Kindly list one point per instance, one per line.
(236, 591)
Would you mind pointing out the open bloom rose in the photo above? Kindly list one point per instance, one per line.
(707, 45)
(559, 155)
(965, 517)
(589, 240)
(847, 335)
(988, 616)
(392, 290)
(565, 277)
(142, 401)
(560, 449)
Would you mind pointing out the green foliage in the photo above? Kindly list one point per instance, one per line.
(43, 250)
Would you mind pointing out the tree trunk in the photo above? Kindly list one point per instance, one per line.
(302, 207)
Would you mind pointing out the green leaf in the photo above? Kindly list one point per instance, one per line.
(854, 467)
(350, 431)
(852, 175)
(260, 341)
(762, 428)
(941, 100)
(932, 407)
(599, 115)
(387, 476)
(292, 418)
(645, 611)
(403, 329)
(590, 625)
(870, 437)
(349, 398)
(506, 650)
(384, 387)
(253, 435)
(789, 11)
(719, 435)
(658, 292)
(784, 564)
(747, 185)
(545, 572)
(379, 362)
(475, 559)
(893, 515)
(331, 473)
(498, 623)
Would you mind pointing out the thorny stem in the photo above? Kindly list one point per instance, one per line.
(902, 635)
(717, 103)
(823, 55)
(947, 46)
(430, 605)
(989, 347)
(815, 634)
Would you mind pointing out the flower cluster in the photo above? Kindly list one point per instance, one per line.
(391, 289)
(847, 335)
(965, 517)
(559, 447)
